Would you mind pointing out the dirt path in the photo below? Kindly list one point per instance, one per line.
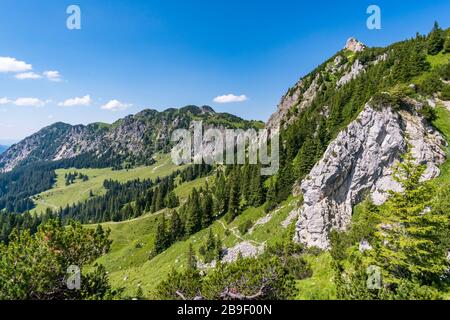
(237, 235)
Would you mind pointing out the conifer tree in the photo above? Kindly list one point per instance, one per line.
(207, 210)
(409, 241)
(194, 215)
(161, 239)
(271, 197)
(435, 40)
(234, 199)
(176, 227)
(191, 259)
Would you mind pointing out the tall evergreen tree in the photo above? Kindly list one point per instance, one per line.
(194, 214)
(207, 209)
(408, 243)
(176, 227)
(435, 40)
(162, 237)
(191, 259)
(234, 205)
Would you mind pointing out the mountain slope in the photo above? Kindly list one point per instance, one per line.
(3, 149)
(338, 149)
(133, 139)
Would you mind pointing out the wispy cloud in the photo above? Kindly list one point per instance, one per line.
(115, 105)
(52, 75)
(29, 102)
(230, 98)
(4, 101)
(77, 101)
(8, 64)
(28, 75)
(24, 102)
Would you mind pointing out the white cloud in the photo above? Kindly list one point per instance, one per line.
(229, 98)
(4, 101)
(78, 101)
(8, 64)
(29, 102)
(25, 102)
(28, 75)
(52, 75)
(115, 105)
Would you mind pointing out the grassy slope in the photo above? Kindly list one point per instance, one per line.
(61, 195)
(128, 264)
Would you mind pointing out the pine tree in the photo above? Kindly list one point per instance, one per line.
(191, 259)
(257, 188)
(210, 247)
(176, 227)
(162, 238)
(172, 200)
(221, 193)
(207, 210)
(435, 40)
(409, 240)
(194, 217)
(271, 197)
(234, 199)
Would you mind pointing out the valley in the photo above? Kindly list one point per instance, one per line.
(364, 184)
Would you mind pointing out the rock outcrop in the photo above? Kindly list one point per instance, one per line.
(354, 45)
(359, 162)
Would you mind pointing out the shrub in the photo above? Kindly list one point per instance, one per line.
(431, 84)
(445, 94)
(245, 226)
(428, 112)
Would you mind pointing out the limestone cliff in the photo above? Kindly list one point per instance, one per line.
(359, 162)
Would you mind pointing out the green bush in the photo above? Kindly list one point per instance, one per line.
(431, 84)
(428, 112)
(245, 226)
(445, 93)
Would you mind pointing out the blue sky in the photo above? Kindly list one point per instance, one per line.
(131, 55)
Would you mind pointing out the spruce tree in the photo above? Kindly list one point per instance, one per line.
(234, 199)
(271, 197)
(409, 240)
(435, 40)
(176, 227)
(191, 259)
(193, 222)
(161, 239)
(207, 210)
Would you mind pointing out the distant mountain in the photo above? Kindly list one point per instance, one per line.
(3, 148)
(133, 139)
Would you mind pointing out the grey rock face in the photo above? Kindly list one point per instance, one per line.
(359, 161)
(355, 71)
(244, 249)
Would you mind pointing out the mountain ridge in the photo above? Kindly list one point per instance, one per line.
(134, 138)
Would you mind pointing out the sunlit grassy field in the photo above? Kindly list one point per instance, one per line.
(61, 195)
